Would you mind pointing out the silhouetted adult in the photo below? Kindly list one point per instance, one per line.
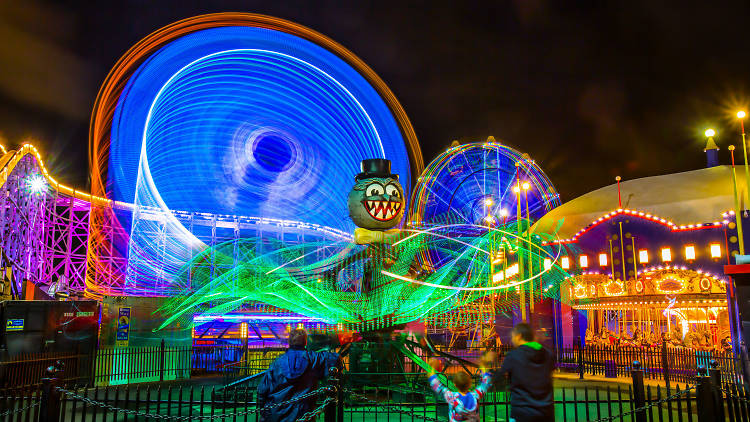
(295, 373)
(528, 370)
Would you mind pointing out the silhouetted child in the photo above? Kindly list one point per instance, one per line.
(464, 404)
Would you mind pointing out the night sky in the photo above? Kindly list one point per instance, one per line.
(590, 90)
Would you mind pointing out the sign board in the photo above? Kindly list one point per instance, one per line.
(123, 327)
(14, 325)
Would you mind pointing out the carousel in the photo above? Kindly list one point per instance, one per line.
(682, 307)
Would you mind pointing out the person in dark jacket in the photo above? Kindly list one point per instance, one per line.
(293, 374)
(528, 369)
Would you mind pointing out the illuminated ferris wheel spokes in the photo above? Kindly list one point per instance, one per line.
(482, 183)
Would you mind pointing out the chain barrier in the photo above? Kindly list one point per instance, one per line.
(198, 417)
(19, 410)
(311, 415)
(648, 406)
(392, 408)
(734, 395)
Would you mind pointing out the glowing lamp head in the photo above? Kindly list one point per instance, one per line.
(516, 189)
(488, 202)
(504, 212)
(37, 184)
(709, 133)
(525, 185)
(741, 114)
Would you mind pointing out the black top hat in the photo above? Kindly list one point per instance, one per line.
(375, 167)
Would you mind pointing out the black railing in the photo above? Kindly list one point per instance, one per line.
(706, 400)
(117, 366)
(667, 364)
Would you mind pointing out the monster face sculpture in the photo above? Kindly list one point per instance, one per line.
(376, 202)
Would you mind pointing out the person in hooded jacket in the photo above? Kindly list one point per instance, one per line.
(295, 373)
(528, 370)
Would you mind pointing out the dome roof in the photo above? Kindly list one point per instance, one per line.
(697, 196)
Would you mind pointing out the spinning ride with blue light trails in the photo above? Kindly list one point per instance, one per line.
(246, 127)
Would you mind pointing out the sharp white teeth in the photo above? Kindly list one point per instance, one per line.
(369, 204)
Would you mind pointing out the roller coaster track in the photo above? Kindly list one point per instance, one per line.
(70, 236)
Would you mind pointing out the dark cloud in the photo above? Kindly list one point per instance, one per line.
(590, 89)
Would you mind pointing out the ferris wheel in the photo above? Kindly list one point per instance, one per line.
(481, 183)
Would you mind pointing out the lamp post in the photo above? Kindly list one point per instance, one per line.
(521, 268)
(525, 186)
(741, 116)
(737, 215)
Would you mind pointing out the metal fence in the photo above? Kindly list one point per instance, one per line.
(27, 369)
(704, 401)
(672, 365)
(118, 366)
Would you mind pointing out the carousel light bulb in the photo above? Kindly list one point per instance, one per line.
(741, 114)
(689, 252)
(666, 254)
(709, 133)
(715, 250)
(603, 259)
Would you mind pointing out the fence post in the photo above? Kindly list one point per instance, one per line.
(49, 406)
(704, 397)
(580, 358)
(744, 362)
(161, 361)
(639, 394)
(332, 411)
(715, 375)
(665, 363)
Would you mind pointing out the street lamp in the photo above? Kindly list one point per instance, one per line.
(709, 133)
(504, 213)
(737, 215)
(741, 116)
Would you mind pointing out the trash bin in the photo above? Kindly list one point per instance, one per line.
(610, 369)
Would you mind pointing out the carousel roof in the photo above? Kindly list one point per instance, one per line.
(690, 197)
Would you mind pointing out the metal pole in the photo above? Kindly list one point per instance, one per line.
(639, 394)
(704, 397)
(622, 255)
(715, 375)
(528, 245)
(521, 275)
(737, 215)
(747, 171)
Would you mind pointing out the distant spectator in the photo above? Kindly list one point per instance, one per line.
(528, 369)
(295, 373)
